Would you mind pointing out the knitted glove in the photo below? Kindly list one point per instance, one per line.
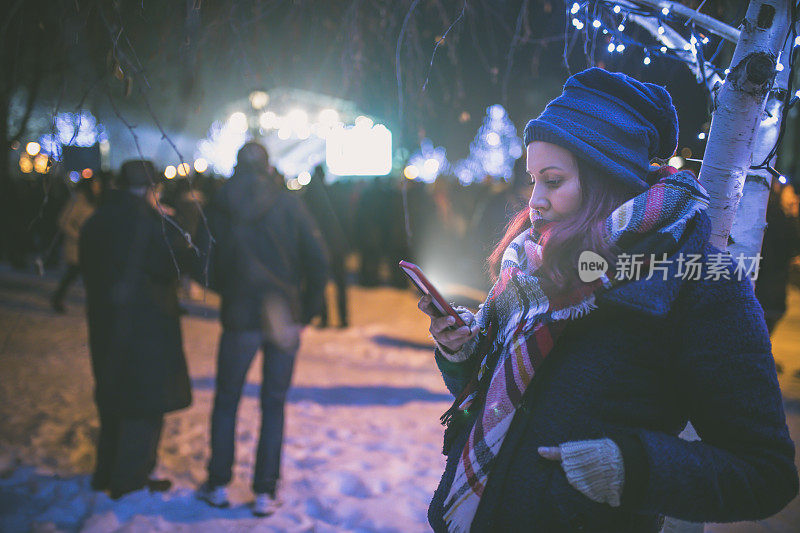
(595, 468)
(468, 348)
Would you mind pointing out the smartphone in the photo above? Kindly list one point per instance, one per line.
(426, 287)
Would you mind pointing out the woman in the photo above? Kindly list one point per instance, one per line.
(571, 393)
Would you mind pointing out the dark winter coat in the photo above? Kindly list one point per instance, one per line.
(132, 307)
(266, 243)
(653, 355)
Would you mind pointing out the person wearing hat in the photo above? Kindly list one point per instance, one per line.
(577, 374)
(129, 270)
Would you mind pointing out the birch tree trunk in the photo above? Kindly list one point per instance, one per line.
(750, 221)
(739, 107)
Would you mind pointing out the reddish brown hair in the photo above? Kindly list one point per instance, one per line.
(565, 240)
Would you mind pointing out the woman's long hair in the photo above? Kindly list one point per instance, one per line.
(564, 241)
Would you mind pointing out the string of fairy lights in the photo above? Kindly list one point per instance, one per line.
(674, 38)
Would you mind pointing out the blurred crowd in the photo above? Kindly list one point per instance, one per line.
(369, 224)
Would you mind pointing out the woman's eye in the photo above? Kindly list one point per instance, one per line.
(553, 183)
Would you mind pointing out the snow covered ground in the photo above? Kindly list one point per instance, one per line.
(362, 449)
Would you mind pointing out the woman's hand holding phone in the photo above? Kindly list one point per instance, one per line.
(441, 326)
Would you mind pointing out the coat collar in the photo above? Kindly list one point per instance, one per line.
(655, 296)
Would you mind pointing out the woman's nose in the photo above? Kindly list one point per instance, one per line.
(538, 201)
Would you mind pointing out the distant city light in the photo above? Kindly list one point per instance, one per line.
(665, 11)
(238, 121)
(258, 99)
(492, 138)
(646, 60)
(25, 164)
(32, 148)
(363, 122)
(200, 165)
(183, 169)
(779, 66)
(41, 163)
(431, 166)
(411, 172)
(596, 23)
(293, 184)
(328, 117)
(575, 8)
(268, 120)
(87, 173)
(663, 49)
(611, 47)
(304, 132)
(74, 176)
(304, 178)
(620, 47)
(701, 135)
(782, 179)
(677, 162)
(170, 172)
(621, 27)
(297, 119)
(284, 133)
(797, 41)
(661, 30)
(617, 9)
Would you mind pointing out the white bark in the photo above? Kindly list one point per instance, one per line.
(749, 224)
(739, 107)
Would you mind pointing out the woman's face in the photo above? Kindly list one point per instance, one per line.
(556, 185)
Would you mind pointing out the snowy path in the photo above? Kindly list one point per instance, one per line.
(362, 436)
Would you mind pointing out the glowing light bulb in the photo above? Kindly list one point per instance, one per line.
(647, 60)
(575, 8)
(620, 47)
(617, 9)
(32, 148)
(701, 136)
(782, 179)
(596, 23)
(665, 11)
(170, 172)
(200, 165)
(411, 172)
(661, 30)
(611, 47)
(621, 27)
(304, 178)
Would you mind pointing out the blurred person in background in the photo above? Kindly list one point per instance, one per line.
(130, 273)
(317, 199)
(268, 263)
(74, 214)
(781, 244)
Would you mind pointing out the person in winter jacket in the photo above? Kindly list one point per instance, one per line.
(612, 323)
(72, 218)
(128, 261)
(269, 265)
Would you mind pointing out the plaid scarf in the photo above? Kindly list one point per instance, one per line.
(524, 315)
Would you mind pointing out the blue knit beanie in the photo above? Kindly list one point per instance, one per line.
(612, 122)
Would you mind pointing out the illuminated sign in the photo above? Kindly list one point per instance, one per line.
(360, 150)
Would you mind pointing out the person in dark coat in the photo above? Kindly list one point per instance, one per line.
(318, 201)
(270, 267)
(612, 324)
(135, 339)
(781, 244)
